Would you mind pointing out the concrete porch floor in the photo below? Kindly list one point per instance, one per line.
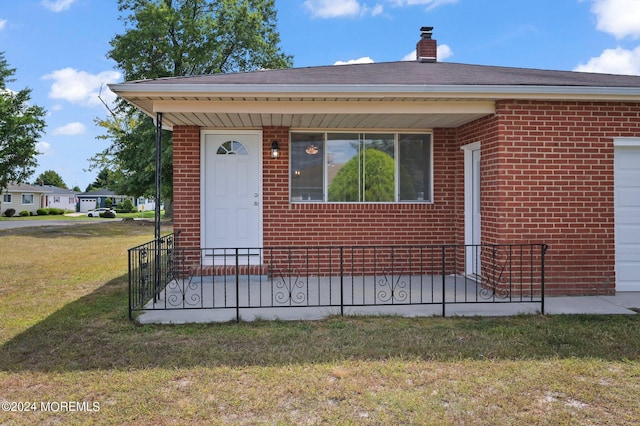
(622, 303)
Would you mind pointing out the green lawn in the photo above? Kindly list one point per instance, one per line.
(146, 215)
(64, 336)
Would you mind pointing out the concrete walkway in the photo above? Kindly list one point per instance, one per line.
(621, 304)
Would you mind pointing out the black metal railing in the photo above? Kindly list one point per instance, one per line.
(150, 270)
(164, 276)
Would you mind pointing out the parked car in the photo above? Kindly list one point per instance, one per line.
(97, 212)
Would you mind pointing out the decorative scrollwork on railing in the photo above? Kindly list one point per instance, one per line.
(489, 293)
(183, 293)
(289, 286)
(392, 291)
(144, 277)
(290, 290)
(495, 283)
(170, 261)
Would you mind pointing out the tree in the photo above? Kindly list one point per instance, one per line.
(50, 177)
(166, 38)
(104, 180)
(21, 126)
(360, 180)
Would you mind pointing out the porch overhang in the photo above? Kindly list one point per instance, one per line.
(339, 106)
(309, 111)
(323, 114)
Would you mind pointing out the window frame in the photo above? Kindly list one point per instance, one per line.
(362, 134)
(7, 198)
(33, 199)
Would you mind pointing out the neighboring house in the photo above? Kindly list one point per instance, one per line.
(480, 155)
(144, 204)
(60, 198)
(21, 197)
(96, 199)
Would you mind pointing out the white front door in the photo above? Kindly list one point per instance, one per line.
(627, 213)
(472, 222)
(231, 196)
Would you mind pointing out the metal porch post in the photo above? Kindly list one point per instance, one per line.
(158, 173)
(158, 256)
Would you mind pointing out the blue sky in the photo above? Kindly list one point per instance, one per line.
(59, 49)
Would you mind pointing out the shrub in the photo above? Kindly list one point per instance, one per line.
(9, 212)
(42, 212)
(108, 214)
(127, 206)
(108, 203)
(24, 213)
(55, 211)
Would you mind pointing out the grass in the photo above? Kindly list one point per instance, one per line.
(65, 336)
(136, 215)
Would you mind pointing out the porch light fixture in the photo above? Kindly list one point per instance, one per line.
(275, 149)
(311, 149)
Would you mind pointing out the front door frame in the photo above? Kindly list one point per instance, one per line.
(472, 227)
(203, 190)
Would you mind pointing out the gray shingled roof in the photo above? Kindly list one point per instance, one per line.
(24, 187)
(408, 73)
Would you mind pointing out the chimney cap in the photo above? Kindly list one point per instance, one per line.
(426, 32)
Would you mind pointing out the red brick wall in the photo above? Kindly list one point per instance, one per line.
(547, 177)
(550, 180)
(288, 223)
(186, 184)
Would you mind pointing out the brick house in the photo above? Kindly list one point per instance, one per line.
(471, 155)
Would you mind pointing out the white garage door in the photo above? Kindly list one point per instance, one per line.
(627, 213)
(87, 204)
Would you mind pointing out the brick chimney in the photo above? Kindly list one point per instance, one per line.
(427, 48)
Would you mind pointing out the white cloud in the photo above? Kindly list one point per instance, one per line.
(3, 23)
(614, 61)
(80, 87)
(444, 52)
(57, 5)
(431, 4)
(70, 129)
(44, 148)
(363, 60)
(377, 10)
(355, 8)
(334, 8)
(618, 17)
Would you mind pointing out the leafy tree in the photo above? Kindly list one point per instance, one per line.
(21, 125)
(104, 180)
(50, 177)
(379, 183)
(166, 38)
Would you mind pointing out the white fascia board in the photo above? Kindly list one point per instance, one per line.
(326, 107)
(376, 90)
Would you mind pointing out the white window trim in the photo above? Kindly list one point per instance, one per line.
(33, 199)
(396, 133)
(626, 142)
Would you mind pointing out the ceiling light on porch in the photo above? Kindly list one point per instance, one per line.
(275, 149)
(311, 149)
